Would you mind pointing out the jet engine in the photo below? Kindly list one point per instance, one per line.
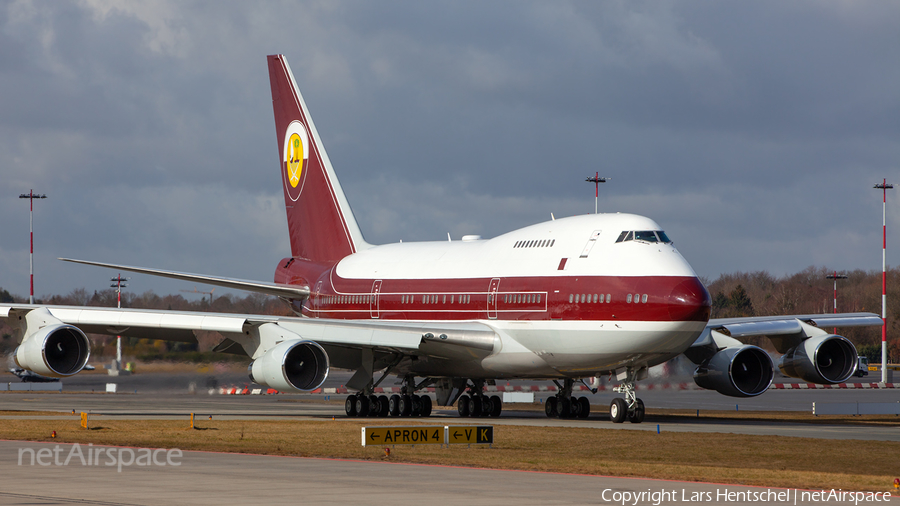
(822, 359)
(55, 351)
(296, 365)
(739, 371)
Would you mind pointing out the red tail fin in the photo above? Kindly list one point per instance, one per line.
(320, 222)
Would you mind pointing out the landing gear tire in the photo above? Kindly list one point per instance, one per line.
(374, 406)
(350, 405)
(426, 406)
(637, 416)
(564, 407)
(394, 405)
(362, 405)
(487, 406)
(462, 406)
(585, 407)
(475, 406)
(550, 407)
(405, 405)
(618, 410)
(497, 405)
(383, 405)
(416, 405)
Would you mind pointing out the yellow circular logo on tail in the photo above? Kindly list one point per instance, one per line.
(295, 158)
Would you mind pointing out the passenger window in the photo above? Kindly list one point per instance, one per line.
(637, 297)
(570, 298)
(444, 300)
(595, 298)
(608, 298)
(628, 298)
(644, 298)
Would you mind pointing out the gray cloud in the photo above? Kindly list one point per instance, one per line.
(752, 132)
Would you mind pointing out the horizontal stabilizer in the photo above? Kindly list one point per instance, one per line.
(276, 289)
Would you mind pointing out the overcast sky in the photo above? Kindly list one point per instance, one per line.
(753, 132)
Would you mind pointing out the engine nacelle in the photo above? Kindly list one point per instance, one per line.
(739, 371)
(823, 359)
(296, 365)
(55, 351)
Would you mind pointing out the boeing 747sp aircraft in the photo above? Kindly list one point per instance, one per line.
(572, 298)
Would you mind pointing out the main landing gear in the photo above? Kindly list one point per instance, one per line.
(630, 407)
(564, 405)
(405, 404)
(477, 404)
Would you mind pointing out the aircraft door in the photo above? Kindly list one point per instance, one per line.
(318, 298)
(492, 298)
(374, 299)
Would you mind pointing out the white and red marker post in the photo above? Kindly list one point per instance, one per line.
(31, 196)
(884, 187)
(597, 180)
(835, 276)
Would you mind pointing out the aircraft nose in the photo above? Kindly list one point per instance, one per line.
(689, 301)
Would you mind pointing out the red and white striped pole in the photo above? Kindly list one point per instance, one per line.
(884, 186)
(597, 180)
(835, 276)
(31, 196)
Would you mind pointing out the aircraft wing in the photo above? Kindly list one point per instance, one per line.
(276, 289)
(788, 331)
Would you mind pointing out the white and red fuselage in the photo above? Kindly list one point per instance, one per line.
(564, 291)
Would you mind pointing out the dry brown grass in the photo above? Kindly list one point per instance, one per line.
(722, 458)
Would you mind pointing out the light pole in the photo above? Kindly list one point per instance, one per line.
(31, 196)
(118, 284)
(597, 180)
(835, 277)
(884, 187)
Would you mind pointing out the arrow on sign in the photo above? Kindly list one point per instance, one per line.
(373, 436)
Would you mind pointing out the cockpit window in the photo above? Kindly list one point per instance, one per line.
(644, 235)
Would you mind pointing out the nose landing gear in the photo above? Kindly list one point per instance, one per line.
(630, 407)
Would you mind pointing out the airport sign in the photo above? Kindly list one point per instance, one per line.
(428, 435)
(414, 435)
(470, 434)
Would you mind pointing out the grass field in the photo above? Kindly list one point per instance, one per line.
(722, 458)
